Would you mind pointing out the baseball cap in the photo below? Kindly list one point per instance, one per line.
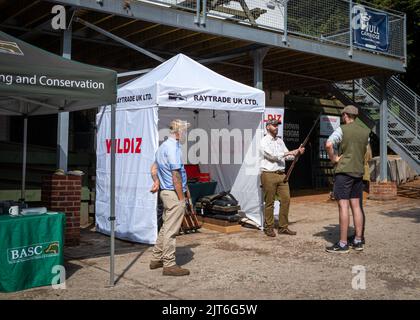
(350, 110)
(273, 122)
(178, 125)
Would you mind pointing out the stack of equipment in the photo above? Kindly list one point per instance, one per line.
(221, 206)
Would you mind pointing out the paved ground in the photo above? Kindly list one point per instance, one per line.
(249, 265)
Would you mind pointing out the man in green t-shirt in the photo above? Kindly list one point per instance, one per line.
(352, 140)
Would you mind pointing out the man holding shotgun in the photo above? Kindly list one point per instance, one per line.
(172, 180)
(274, 153)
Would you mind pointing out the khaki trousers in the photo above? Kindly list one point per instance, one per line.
(173, 213)
(273, 185)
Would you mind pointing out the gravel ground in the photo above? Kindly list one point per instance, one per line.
(250, 265)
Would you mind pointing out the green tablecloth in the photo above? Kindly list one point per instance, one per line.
(30, 246)
(201, 189)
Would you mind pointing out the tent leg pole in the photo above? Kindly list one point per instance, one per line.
(25, 143)
(258, 57)
(261, 191)
(112, 213)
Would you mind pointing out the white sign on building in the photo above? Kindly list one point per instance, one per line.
(275, 113)
(328, 124)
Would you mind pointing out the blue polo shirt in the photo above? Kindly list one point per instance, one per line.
(169, 158)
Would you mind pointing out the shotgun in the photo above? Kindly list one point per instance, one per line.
(186, 225)
(192, 215)
(190, 210)
(289, 172)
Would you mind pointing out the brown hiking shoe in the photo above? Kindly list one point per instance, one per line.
(155, 264)
(270, 232)
(176, 271)
(287, 231)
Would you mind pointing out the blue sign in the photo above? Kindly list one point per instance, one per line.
(370, 29)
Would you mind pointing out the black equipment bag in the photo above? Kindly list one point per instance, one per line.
(223, 203)
(230, 218)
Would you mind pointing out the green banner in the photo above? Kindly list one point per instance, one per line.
(31, 251)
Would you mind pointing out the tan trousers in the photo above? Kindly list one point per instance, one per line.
(173, 213)
(273, 185)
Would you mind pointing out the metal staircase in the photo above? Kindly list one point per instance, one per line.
(403, 113)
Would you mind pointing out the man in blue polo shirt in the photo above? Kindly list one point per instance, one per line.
(173, 185)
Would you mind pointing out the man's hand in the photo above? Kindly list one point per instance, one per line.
(155, 187)
(301, 150)
(330, 151)
(335, 159)
(297, 152)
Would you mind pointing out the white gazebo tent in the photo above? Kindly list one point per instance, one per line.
(178, 88)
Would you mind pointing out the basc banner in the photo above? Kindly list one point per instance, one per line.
(370, 29)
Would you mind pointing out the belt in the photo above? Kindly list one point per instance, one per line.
(278, 172)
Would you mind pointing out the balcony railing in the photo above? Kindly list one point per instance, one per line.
(326, 21)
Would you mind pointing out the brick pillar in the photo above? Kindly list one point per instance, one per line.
(63, 193)
(382, 191)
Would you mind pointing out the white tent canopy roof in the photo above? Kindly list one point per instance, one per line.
(184, 83)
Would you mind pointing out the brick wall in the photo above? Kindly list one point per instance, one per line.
(382, 190)
(63, 193)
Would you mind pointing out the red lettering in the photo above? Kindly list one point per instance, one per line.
(108, 145)
(119, 150)
(274, 116)
(138, 141)
(126, 145)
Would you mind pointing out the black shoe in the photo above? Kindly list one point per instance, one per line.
(351, 239)
(357, 246)
(336, 248)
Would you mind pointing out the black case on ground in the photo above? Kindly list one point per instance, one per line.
(223, 203)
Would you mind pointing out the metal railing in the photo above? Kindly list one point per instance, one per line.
(327, 21)
(331, 21)
(402, 101)
(403, 111)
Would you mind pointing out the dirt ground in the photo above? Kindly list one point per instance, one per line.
(250, 265)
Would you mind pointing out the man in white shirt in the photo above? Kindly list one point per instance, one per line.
(274, 154)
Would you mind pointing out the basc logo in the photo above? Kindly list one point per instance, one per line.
(34, 251)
